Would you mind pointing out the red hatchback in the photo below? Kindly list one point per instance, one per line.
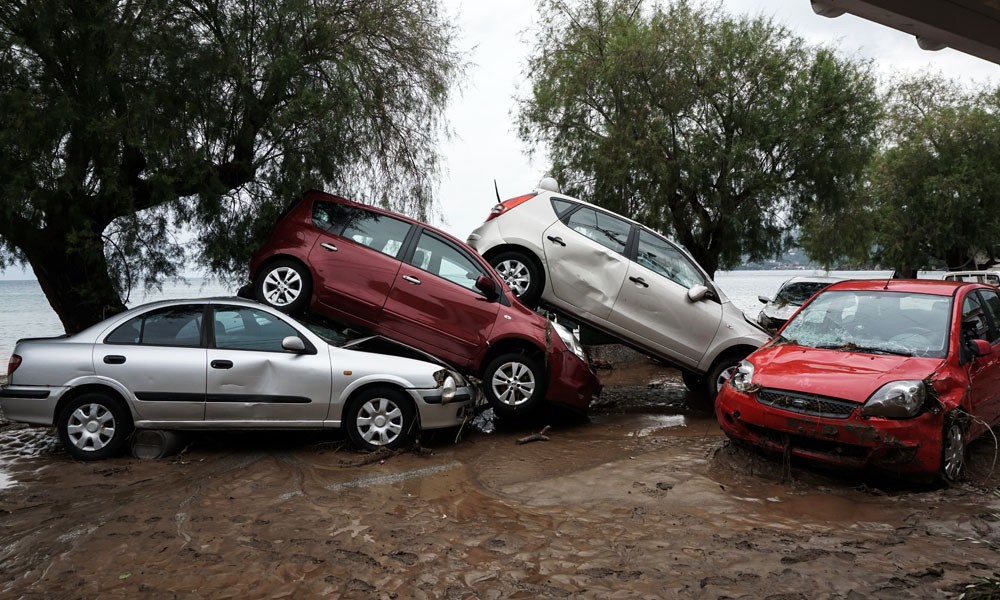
(896, 375)
(405, 280)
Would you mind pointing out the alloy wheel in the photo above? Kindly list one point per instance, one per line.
(513, 383)
(515, 273)
(282, 286)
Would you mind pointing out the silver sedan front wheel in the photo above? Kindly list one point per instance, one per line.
(380, 418)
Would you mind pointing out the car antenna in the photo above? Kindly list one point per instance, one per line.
(497, 188)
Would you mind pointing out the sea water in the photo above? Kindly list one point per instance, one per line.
(26, 312)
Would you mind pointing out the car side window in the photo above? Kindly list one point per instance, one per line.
(975, 324)
(377, 231)
(561, 207)
(604, 229)
(242, 328)
(171, 326)
(991, 300)
(436, 256)
(660, 256)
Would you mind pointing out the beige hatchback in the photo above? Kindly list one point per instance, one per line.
(619, 277)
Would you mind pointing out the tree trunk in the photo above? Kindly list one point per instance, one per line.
(74, 277)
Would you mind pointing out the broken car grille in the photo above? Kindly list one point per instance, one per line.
(806, 404)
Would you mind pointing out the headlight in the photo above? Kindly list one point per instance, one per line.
(448, 382)
(742, 379)
(570, 340)
(896, 400)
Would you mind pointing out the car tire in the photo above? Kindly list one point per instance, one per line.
(380, 417)
(717, 377)
(953, 447)
(514, 384)
(521, 274)
(693, 382)
(94, 426)
(284, 285)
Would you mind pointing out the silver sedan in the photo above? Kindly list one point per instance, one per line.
(224, 363)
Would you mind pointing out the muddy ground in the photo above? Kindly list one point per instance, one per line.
(643, 500)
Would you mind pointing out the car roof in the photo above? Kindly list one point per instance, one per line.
(812, 279)
(320, 194)
(937, 287)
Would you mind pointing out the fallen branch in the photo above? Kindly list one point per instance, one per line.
(536, 437)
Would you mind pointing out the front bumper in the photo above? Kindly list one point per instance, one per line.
(901, 446)
(435, 415)
(572, 382)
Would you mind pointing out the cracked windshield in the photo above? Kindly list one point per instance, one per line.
(873, 322)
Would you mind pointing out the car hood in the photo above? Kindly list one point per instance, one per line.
(382, 345)
(780, 311)
(847, 375)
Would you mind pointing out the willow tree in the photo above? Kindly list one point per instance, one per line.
(125, 122)
(724, 131)
(935, 187)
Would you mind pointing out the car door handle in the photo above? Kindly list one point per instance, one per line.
(329, 246)
(639, 281)
(222, 364)
(114, 359)
(556, 240)
(412, 279)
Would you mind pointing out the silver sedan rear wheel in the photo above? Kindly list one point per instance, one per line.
(380, 418)
(94, 426)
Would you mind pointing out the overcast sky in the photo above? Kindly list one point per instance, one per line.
(496, 38)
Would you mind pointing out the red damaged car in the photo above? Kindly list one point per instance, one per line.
(893, 375)
(391, 275)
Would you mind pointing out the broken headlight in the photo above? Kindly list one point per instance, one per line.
(570, 340)
(742, 379)
(896, 400)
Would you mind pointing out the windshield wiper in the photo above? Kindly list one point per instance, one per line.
(852, 347)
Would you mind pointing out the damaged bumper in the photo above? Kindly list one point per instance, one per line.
(572, 382)
(901, 446)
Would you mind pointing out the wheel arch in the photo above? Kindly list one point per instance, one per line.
(528, 252)
(270, 260)
(740, 351)
(87, 388)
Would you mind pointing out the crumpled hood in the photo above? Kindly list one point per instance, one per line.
(834, 373)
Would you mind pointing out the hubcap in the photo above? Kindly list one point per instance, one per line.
(516, 275)
(380, 421)
(513, 383)
(725, 376)
(282, 286)
(954, 452)
(91, 427)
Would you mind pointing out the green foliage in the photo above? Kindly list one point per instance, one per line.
(124, 121)
(725, 132)
(935, 187)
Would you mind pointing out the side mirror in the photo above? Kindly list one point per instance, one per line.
(980, 348)
(487, 286)
(293, 343)
(697, 293)
(763, 299)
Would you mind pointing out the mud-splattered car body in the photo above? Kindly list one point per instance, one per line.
(894, 375)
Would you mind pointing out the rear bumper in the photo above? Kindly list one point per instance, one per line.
(30, 404)
(572, 382)
(901, 446)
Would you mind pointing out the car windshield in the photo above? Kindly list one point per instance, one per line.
(797, 293)
(873, 322)
(332, 332)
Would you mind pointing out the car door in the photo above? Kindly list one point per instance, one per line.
(160, 357)
(253, 380)
(355, 259)
(653, 302)
(985, 370)
(435, 305)
(585, 256)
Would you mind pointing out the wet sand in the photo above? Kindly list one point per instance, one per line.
(644, 500)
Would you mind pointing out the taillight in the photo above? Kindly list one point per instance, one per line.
(506, 205)
(13, 364)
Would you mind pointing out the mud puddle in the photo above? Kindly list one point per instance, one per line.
(643, 500)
